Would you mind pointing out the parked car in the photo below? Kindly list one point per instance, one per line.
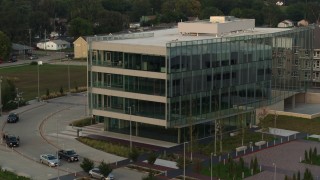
(69, 155)
(11, 140)
(13, 59)
(49, 159)
(70, 55)
(32, 57)
(13, 118)
(95, 173)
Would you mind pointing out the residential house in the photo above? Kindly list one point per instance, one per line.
(53, 45)
(80, 47)
(285, 24)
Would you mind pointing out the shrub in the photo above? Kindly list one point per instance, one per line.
(152, 158)
(105, 168)
(180, 162)
(47, 92)
(61, 90)
(87, 165)
(33, 63)
(83, 122)
(134, 154)
(149, 177)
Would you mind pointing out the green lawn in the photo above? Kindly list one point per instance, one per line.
(310, 126)
(51, 77)
(10, 175)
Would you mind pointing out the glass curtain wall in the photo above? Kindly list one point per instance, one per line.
(209, 79)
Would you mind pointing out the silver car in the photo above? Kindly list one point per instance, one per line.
(49, 159)
(95, 173)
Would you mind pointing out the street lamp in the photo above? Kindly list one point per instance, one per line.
(39, 63)
(58, 146)
(275, 171)
(184, 160)
(69, 76)
(211, 167)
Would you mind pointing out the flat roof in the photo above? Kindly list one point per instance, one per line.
(162, 37)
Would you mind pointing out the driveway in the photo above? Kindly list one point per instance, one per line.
(40, 130)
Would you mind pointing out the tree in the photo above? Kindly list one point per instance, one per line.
(8, 94)
(80, 27)
(5, 46)
(87, 165)
(210, 11)
(105, 168)
(108, 22)
(263, 121)
(134, 154)
(152, 158)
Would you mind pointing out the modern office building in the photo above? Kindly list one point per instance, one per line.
(161, 83)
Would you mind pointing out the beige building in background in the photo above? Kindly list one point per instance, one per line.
(80, 48)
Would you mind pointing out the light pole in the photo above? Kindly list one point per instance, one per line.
(0, 97)
(39, 63)
(184, 160)
(69, 76)
(130, 130)
(30, 39)
(275, 171)
(211, 167)
(58, 146)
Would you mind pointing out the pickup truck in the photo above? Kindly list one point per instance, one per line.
(68, 155)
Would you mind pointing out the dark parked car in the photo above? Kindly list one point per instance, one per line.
(68, 155)
(32, 57)
(13, 118)
(70, 55)
(13, 59)
(11, 140)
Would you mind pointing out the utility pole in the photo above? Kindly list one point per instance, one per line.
(30, 39)
(45, 40)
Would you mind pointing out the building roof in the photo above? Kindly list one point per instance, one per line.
(20, 47)
(162, 37)
(59, 41)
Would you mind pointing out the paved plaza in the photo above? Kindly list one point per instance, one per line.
(286, 158)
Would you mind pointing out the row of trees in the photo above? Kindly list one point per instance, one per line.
(88, 17)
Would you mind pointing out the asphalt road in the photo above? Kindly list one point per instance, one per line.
(40, 129)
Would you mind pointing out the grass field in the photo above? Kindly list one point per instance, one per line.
(310, 126)
(51, 77)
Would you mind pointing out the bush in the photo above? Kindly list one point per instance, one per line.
(104, 168)
(83, 122)
(152, 158)
(33, 63)
(149, 177)
(180, 162)
(134, 154)
(87, 165)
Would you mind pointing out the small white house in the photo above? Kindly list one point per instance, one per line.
(285, 24)
(53, 45)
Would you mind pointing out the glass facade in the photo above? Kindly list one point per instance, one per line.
(206, 80)
(128, 61)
